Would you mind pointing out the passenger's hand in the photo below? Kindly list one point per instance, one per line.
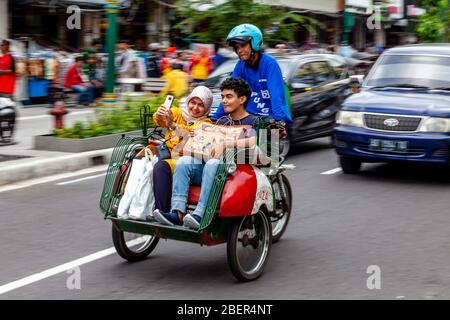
(169, 118)
(161, 112)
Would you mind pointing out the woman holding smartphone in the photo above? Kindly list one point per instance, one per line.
(178, 122)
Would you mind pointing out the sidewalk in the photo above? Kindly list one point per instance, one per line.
(35, 164)
(20, 161)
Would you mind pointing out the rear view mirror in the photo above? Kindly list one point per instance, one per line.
(357, 78)
(356, 82)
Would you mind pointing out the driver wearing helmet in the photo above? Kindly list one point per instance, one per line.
(261, 71)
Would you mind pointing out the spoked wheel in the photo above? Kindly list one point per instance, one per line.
(283, 208)
(285, 146)
(248, 246)
(132, 246)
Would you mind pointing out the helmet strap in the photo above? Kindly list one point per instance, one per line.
(252, 55)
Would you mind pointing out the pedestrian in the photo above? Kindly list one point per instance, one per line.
(7, 71)
(78, 82)
(201, 65)
(262, 73)
(124, 59)
(154, 60)
(177, 81)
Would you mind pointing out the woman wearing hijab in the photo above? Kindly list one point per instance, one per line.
(178, 121)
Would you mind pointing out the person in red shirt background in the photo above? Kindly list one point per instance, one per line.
(7, 71)
(77, 81)
(168, 58)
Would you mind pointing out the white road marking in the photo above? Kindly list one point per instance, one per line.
(81, 179)
(332, 171)
(64, 267)
(32, 182)
(42, 116)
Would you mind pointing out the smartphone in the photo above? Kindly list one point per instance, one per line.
(168, 103)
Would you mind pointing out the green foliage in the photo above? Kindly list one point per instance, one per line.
(434, 25)
(277, 24)
(112, 120)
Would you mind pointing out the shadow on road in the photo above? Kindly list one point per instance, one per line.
(412, 173)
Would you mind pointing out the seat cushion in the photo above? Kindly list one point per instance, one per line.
(194, 194)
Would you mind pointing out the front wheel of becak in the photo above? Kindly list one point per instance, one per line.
(132, 246)
(248, 246)
(283, 207)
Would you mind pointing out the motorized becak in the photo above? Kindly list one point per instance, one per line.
(247, 209)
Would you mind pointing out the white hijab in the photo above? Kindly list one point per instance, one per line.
(204, 94)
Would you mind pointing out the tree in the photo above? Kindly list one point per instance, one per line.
(434, 25)
(207, 22)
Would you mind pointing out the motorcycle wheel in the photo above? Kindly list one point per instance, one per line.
(279, 224)
(248, 246)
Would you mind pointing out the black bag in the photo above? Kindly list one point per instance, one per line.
(163, 151)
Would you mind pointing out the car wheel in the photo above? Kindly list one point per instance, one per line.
(331, 141)
(350, 165)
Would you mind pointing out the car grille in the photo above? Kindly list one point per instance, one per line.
(405, 124)
(408, 152)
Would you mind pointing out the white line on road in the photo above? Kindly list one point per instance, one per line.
(332, 171)
(49, 116)
(64, 267)
(32, 182)
(81, 179)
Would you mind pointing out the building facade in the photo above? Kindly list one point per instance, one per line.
(48, 22)
(5, 19)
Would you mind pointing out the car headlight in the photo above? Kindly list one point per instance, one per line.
(435, 125)
(350, 118)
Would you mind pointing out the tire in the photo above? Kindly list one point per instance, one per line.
(331, 143)
(279, 225)
(246, 262)
(350, 165)
(134, 253)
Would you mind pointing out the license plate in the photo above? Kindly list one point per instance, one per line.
(388, 145)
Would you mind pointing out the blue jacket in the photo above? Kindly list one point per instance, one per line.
(268, 96)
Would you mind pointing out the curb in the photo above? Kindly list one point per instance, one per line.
(46, 167)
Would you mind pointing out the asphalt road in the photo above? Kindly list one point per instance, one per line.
(393, 217)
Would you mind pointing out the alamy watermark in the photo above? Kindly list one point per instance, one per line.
(374, 21)
(374, 280)
(74, 20)
(73, 282)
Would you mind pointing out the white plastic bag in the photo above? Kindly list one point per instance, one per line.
(141, 169)
(143, 202)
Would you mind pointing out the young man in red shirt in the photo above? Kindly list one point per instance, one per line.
(7, 71)
(77, 81)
